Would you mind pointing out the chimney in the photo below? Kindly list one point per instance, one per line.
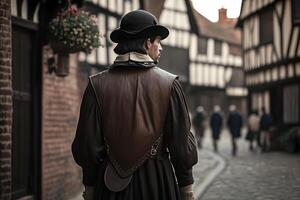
(222, 15)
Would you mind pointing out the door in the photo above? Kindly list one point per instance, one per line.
(276, 101)
(26, 109)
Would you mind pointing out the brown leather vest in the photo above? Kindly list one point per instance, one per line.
(133, 106)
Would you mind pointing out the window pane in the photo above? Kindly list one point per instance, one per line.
(218, 48)
(296, 11)
(266, 26)
(202, 45)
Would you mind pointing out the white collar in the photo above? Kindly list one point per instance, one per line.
(133, 56)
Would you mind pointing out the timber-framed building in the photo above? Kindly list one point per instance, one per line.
(206, 55)
(216, 71)
(271, 57)
(39, 109)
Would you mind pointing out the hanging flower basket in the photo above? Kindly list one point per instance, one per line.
(73, 31)
(61, 48)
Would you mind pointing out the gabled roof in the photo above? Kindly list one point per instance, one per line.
(154, 6)
(229, 23)
(199, 24)
(239, 20)
(192, 19)
(216, 30)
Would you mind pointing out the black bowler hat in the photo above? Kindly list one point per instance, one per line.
(138, 24)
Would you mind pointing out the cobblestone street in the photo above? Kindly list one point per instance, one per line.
(249, 175)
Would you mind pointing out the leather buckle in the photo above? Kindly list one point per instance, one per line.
(153, 151)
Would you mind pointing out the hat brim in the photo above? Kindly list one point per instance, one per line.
(119, 35)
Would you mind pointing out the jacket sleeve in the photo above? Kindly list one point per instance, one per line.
(179, 139)
(87, 145)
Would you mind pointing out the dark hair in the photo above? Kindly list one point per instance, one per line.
(135, 45)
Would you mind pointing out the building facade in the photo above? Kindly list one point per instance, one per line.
(206, 55)
(109, 14)
(271, 56)
(5, 100)
(216, 73)
(39, 109)
(43, 109)
(175, 16)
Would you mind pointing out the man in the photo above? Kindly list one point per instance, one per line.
(199, 125)
(234, 123)
(265, 125)
(134, 125)
(216, 122)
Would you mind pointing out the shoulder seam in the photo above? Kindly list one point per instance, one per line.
(94, 75)
(170, 74)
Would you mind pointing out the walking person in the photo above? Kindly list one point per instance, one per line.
(253, 128)
(199, 125)
(265, 125)
(234, 123)
(134, 126)
(216, 122)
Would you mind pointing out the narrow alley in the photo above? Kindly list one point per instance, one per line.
(248, 176)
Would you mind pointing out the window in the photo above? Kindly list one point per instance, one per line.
(235, 50)
(291, 104)
(218, 48)
(266, 26)
(296, 11)
(202, 45)
(259, 100)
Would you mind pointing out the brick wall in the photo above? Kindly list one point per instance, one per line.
(5, 100)
(61, 178)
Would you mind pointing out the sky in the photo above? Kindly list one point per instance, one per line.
(209, 8)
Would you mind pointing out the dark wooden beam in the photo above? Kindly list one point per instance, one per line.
(97, 9)
(273, 65)
(24, 23)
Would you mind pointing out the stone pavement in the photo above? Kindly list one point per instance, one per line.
(248, 176)
(253, 175)
(209, 166)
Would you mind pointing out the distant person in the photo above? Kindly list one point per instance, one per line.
(265, 125)
(234, 123)
(199, 125)
(253, 128)
(216, 122)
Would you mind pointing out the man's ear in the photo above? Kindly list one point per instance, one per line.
(147, 44)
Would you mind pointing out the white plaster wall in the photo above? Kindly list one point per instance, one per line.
(210, 50)
(13, 4)
(24, 11)
(102, 53)
(287, 25)
(193, 47)
(293, 52)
